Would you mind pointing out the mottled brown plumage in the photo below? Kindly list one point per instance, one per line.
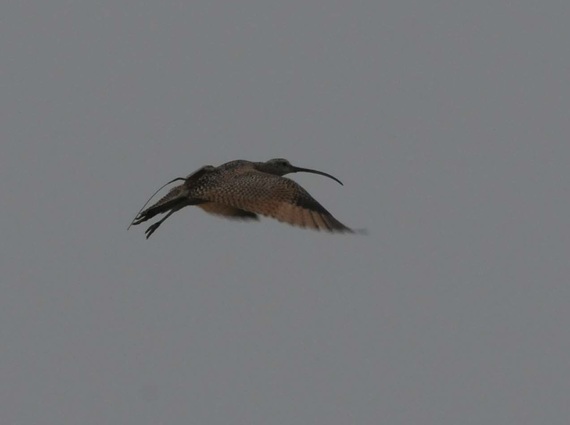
(241, 190)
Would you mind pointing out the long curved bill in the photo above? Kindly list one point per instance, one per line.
(308, 170)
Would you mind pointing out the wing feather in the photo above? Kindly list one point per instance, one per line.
(227, 211)
(272, 196)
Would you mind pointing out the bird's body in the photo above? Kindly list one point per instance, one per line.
(243, 189)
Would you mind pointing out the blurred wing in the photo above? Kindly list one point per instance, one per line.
(227, 211)
(273, 196)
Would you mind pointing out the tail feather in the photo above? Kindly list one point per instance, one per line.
(174, 199)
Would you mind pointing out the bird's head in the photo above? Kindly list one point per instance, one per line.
(280, 167)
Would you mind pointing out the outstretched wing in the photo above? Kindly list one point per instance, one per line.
(273, 196)
(227, 211)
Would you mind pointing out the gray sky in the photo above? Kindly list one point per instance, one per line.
(448, 123)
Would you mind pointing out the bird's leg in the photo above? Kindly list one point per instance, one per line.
(152, 228)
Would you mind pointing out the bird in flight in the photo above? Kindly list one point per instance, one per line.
(243, 189)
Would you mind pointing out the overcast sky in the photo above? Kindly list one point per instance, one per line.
(447, 121)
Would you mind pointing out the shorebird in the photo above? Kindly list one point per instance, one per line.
(243, 189)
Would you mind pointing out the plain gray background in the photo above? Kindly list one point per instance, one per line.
(448, 122)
